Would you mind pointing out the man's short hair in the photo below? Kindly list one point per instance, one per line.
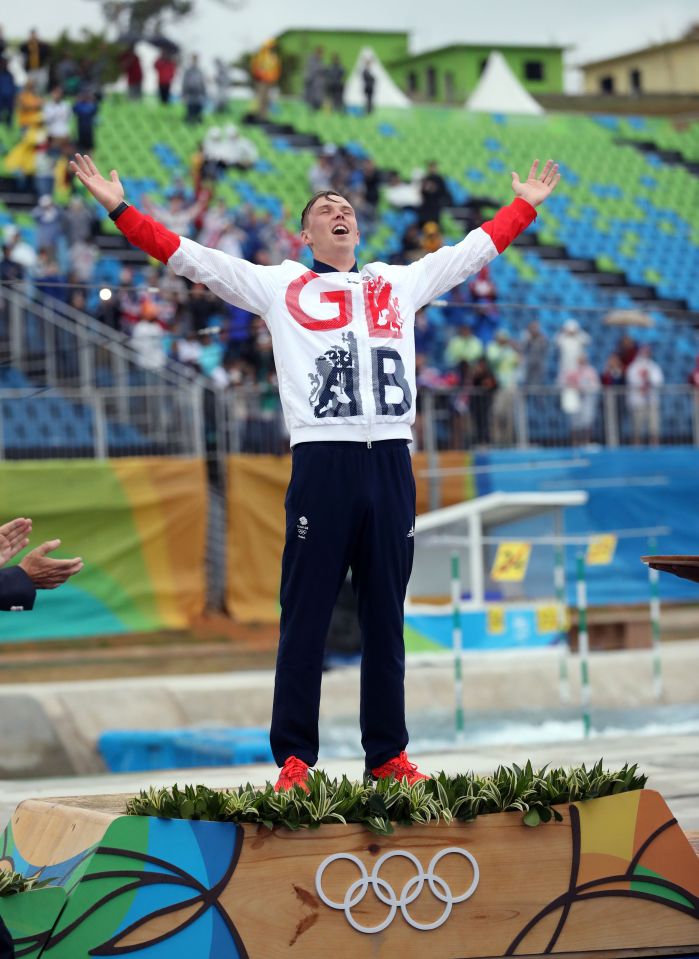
(316, 196)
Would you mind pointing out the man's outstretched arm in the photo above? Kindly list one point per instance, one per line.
(441, 271)
(234, 280)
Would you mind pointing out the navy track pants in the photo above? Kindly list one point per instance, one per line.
(348, 506)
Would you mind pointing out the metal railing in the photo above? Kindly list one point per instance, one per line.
(58, 345)
(250, 421)
(97, 424)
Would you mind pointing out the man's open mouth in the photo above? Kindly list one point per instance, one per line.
(340, 230)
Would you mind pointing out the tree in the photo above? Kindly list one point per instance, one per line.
(135, 19)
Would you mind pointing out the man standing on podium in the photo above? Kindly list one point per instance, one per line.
(345, 356)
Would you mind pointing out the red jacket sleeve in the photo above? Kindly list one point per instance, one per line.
(147, 234)
(508, 223)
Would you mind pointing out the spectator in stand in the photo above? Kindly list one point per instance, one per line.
(45, 156)
(613, 373)
(222, 85)
(35, 58)
(131, 65)
(193, 91)
(482, 287)
(79, 221)
(85, 110)
(335, 82)
(82, 257)
(30, 107)
(227, 148)
(321, 173)
(503, 359)
(401, 195)
(49, 226)
(8, 93)
(147, 338)
(644, 378)
(372, 181)
(176, 216)
(11, 273)
(368, 84)
(626, 350)
(571, 341)
(411, 244)
(18, 250)
(534, 348)
(314, 79)
(57, 116)
(579, 399)
(483, 386)
(425, 335)
(230, 240)
(166, 68)
(693, 378)
(47, 275)
(434, 195)
(463, 347)
(67, 75)
(432, 239)
(266, 72)
(214, 222)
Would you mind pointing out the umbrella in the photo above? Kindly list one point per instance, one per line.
(628, 318)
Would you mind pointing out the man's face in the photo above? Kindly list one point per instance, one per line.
(331, 227)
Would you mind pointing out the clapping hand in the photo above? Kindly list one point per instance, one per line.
(48, 573)
(14, 536)
(535, 188)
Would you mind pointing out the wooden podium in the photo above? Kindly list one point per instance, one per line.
(616, 877)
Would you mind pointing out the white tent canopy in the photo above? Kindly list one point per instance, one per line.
(499, 90)
(386, 92)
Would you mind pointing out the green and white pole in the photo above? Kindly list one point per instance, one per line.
(653, 577)
(583, 644)
(456, 642)
(559, 581)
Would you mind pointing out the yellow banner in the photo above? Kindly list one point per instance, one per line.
(600, 550)
(511, 561)
(496, 620)
(546, 619)
(256, 525)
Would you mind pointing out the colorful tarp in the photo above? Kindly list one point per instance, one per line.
(140, 527)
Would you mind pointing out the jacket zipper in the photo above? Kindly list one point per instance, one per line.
(365, 371)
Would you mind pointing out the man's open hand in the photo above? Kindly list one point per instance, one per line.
(110, 193)
(14, 536)
(535, 188)
(48, 573)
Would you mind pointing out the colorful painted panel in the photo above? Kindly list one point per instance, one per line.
(139, 525)
(152, 890)
(625, 847)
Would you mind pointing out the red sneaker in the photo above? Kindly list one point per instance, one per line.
(399, 767)
(294, 772)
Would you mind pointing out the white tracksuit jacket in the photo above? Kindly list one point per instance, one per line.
(344, 346)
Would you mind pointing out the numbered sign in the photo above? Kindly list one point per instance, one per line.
(511, 561)
(600, 550)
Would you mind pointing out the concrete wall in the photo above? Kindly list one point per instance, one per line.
(52, 729)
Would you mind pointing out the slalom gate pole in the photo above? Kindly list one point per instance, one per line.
(653, 578)
(583, 644)
(559, 580)
(456, 641)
